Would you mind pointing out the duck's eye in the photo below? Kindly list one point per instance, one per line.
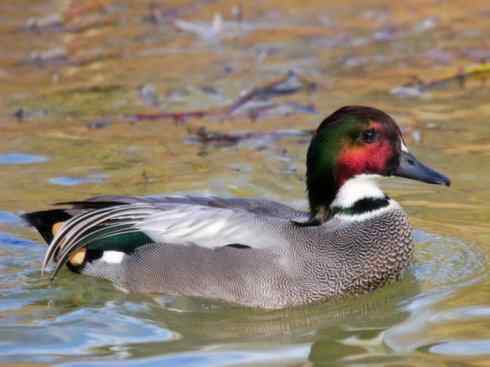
(369, 136)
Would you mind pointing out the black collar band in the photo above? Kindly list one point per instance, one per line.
(362, 206)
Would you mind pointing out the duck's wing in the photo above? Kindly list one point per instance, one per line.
(256, 206)
(46, 220)
(126, 227)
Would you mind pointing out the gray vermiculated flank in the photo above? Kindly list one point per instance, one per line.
(311, 264)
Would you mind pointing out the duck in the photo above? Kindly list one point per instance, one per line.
(255, 252)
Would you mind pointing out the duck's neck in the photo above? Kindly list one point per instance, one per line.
(357, 196)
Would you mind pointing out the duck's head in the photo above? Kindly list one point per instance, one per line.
(354, 143)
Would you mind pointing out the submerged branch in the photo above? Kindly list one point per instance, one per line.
(203, 136)
(418, 87)
(290, 84)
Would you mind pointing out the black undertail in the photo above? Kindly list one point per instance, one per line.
(44, 221)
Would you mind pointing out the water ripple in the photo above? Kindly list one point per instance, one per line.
(9, 218)
(74, 181)
(224, 358)
(21, 158)
(78, 333)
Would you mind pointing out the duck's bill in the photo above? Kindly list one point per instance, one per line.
(411, 168)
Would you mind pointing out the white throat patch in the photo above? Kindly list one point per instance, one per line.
(357, 188)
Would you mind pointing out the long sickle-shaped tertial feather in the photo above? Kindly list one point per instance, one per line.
(91, 226)
(71, 225)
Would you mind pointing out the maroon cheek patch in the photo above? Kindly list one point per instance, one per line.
(378, 156)
(366, 159)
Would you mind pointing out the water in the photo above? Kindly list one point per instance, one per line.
(74, 181)
(74, 74)
(21, 158)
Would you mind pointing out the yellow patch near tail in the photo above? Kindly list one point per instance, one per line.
(56, 227)
(79, 256)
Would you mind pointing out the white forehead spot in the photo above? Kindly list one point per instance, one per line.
(404, 147)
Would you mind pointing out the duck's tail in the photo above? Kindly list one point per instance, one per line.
(48, 222)
(72, 237)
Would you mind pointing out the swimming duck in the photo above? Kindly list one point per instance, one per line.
(254, 252)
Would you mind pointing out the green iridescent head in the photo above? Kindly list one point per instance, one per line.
(357, 140)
